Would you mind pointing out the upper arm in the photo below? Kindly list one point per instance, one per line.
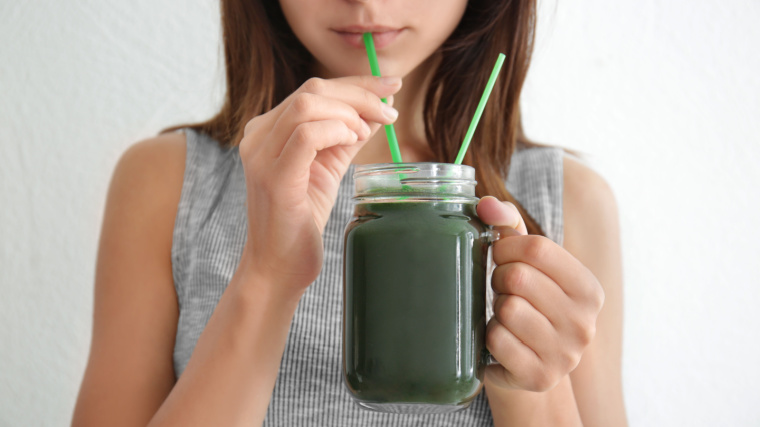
(130, 372)
(592, 235)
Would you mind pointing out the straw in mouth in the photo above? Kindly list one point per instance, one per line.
(390, 131)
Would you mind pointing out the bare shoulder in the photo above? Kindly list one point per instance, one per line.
(129, 372)
(147, 180)
(145, 189)
(590, 208)
(163, 155)
(585, 189)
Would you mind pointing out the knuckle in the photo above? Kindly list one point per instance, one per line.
(568, 361)
(251, 125)
(582, 332)
(592, 286)
(248, 142)
(598, 297)
(511, 310)
(541, 380)
(592, 295)
(245, 147)
(586, 334)
(355, 121)
(536, 247)
(371, 100)
(303, 102)
(314, 85)
(516, 278)
(302, 134)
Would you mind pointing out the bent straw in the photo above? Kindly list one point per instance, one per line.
(479, 110)
(390, 131)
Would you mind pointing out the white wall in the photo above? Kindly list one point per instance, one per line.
(663, 96)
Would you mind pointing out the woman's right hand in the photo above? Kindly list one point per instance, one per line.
(294, 158)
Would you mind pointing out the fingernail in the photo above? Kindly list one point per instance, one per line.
(390, 81)
(366, 128)
(390, 112)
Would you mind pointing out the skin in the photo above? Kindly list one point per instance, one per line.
(557, 325)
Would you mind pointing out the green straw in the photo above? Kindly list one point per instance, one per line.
(479, 110)
(390, 131)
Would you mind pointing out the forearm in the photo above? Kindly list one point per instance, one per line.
(231, 374)
(554, 408)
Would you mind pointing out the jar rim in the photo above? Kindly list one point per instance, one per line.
(408, 168)
(414, 182)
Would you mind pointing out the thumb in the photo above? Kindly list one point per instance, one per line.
(501, 215)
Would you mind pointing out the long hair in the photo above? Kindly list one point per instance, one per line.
(265, 63)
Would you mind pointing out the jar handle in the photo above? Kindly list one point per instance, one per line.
(490, 360)
(490, 235)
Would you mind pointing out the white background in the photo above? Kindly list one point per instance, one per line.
(662, 96)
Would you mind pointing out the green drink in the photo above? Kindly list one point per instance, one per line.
(414, 289)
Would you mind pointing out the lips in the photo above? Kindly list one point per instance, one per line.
(383, 36)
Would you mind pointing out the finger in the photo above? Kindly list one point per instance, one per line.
(543, 254)
(363, 93)
(525, 281)
(501, 215)
(307, 107)
(560, 350)
(516, 360)
(526, 323)
(307, 140)
(319, 99)
(383, 87)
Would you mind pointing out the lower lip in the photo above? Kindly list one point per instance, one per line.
(382, 39)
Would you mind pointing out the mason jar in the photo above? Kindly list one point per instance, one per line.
(415, 260)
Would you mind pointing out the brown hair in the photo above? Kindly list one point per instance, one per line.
(265, 63)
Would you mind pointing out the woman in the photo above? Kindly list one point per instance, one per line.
(212, 306)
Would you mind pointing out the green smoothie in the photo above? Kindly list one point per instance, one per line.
(414, 303)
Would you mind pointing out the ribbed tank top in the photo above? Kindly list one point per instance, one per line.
(209, 234)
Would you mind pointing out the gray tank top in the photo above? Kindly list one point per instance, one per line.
(209, 235)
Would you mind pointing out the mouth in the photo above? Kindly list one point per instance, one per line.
(382, 36)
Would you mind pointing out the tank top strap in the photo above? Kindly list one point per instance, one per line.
(536, 180)
(209, 233)
(203, 157)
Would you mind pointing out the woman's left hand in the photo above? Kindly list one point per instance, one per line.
(545, 306)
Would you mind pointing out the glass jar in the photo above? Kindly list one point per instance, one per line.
(414, 318)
